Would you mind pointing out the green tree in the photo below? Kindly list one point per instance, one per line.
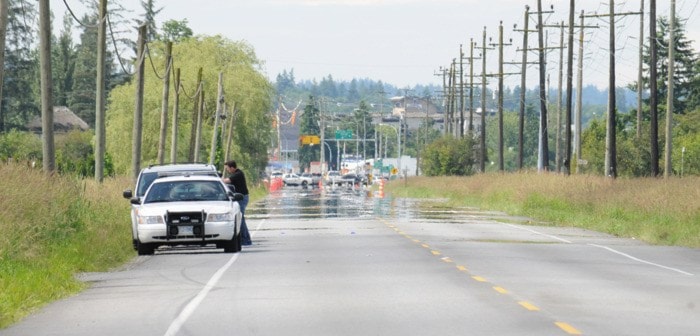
(63, 58)
(449, 156)
(21, 81)
(686, 60)
(149, 17)
(176, 31)
(243, 84)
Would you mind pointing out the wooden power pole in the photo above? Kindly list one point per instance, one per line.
(48, 153)
(138, 108)
(100, 93)
(164, 106)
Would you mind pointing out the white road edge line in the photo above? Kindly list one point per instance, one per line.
(190, 308)
(539, 233)
(641, 260)
(192, 305)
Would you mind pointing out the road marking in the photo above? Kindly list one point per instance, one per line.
(500, 290)
(540, 233)
(425, 245)
(568, 328)
(478, 278)
(528, 306)
(416, 241)
(641, 260)
(446, 259)
(462, 268)
(435, 252)
(186, 312)
(192, 305)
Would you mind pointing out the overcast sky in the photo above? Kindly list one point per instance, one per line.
(405, 42)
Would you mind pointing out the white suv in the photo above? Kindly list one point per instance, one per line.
(150, 174)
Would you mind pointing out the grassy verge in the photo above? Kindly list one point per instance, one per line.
(54, 227)
(658, 211)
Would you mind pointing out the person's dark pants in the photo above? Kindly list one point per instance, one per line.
(245, 235)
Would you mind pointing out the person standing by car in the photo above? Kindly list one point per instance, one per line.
(236, 177)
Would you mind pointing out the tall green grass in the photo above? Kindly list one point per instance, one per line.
(658, 211)
(52, 228)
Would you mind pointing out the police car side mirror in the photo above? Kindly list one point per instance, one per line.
(235, 196)
(135, 201)
(127, 194)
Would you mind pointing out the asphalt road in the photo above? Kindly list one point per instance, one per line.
(342, 263)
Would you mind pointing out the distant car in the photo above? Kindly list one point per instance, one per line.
(314, 178)
(151, 173)
(349, 179)
(331, 176)
(188, 210)
(275, 175)
(296, 180)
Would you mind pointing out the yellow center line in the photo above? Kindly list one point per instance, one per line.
(568, 328)
(528, 306)
(447, 259)
(500, 290)
(478, 278)
(462, 268)
(416, 241)
(407, 236)
(435, 252)
(425, 245)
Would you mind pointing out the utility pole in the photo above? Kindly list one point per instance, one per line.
(579, 95)
(198, 136)
(176, 110)
(669, 98)
(164, 106)
(100, 94)
(217, 113)
(500, 75)
(611, 125)
(48, 158)
(569, 89)
(448, 113)
(543, 159)
(229, 136)
(640, 82)
(557, 138)
(137, 134)
(193, 129)
(482, 135)
(461, 93)
(523, 85)
(611, 134)
(653, 91)
(4, 18)
(471, 86)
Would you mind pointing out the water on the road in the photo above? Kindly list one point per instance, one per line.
(357, 203)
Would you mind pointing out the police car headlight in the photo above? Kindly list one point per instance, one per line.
(220, 217)
(150, 220)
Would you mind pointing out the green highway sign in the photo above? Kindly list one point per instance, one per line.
(343, 134)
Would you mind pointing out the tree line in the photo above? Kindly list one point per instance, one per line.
(197, 59)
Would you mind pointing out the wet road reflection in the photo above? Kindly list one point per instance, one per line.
(347, 203)
(299, 203)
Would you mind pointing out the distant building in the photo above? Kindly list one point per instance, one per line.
(64, 121)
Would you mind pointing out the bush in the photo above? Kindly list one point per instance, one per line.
(449, 156)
